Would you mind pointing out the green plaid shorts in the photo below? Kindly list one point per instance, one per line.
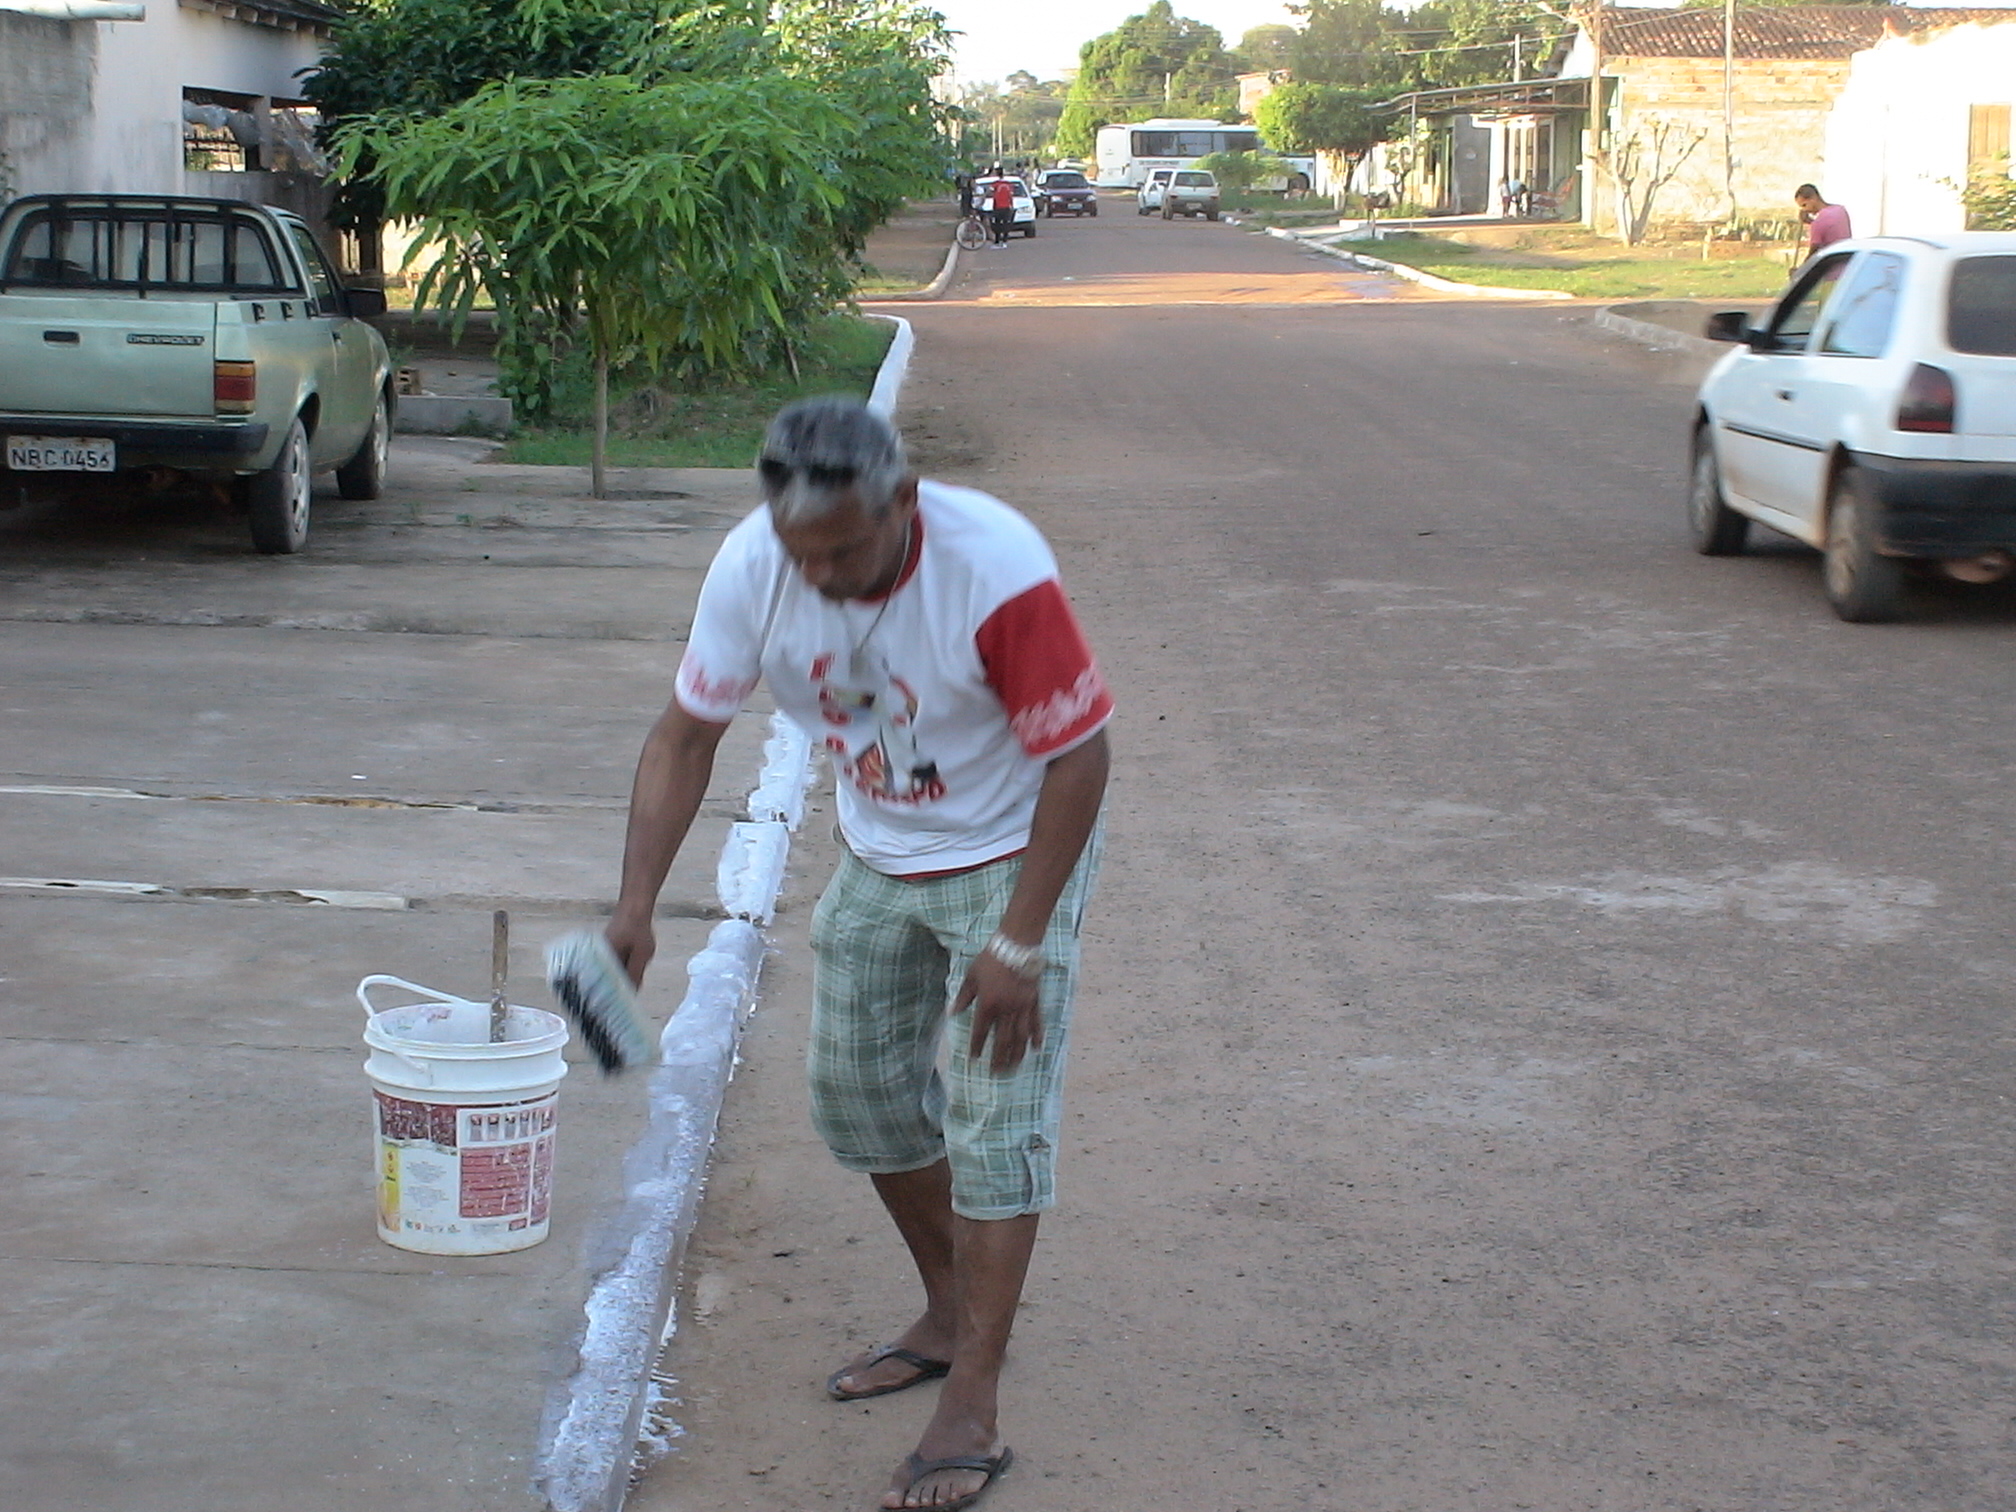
(893, 1088)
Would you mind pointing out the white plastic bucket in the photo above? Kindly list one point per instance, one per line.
(465, 1127)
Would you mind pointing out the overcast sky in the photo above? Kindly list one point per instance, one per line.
(1044, 36)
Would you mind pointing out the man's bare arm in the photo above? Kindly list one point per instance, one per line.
(1067, 807)
(672, 776)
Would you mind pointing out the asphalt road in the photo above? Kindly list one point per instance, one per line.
(1546, 1039)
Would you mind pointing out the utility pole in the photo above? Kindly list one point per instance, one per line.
(1729, 103)
(1594, 160)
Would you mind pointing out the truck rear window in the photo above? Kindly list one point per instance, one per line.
(154, 247)
(1981, 307)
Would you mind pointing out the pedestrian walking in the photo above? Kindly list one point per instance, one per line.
(921, 632)
(1825, 224)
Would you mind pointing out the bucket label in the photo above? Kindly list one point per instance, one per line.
(458, 1172)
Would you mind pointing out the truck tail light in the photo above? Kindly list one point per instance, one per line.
(235, 386)
(1927, 403)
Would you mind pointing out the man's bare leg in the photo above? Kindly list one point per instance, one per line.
(920, 1202)
(990, 1260)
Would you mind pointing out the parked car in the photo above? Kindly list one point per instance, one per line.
(1067, 189)
(1025, 202)
(205, 337)
(1873, 415)
(1191, 191)
(1148, 198)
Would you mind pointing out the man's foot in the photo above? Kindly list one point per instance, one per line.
(946, 1485)
(881, 1371)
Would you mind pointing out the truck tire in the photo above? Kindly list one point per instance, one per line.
(363, 476)
(278, 497)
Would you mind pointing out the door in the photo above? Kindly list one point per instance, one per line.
(347, 388)
(1770, 435)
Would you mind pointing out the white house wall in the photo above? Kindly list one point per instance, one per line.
(1896, 142)
(133, 140)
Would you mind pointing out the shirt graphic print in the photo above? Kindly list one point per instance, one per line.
(940, 705)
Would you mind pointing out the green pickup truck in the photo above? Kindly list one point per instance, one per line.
(205, 337)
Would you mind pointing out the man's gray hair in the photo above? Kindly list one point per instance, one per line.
(817, 451)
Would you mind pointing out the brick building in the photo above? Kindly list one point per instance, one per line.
(1791, 95)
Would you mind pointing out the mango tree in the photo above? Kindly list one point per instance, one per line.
(688, 222)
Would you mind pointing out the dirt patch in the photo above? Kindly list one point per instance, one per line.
(909, 250)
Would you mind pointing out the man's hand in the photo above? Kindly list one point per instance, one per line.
(1005, 1005)
(634, 943)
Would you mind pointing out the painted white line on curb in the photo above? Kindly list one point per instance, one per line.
(590, 1439)
(1414, 275)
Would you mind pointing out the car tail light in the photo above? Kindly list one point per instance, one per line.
(235, 386)
(1927, 403)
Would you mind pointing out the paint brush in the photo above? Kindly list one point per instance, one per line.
(591, 984)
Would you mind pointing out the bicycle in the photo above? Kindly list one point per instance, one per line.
(973, 233)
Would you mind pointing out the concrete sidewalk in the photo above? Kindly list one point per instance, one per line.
(230, 787)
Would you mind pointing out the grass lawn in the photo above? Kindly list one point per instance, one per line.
(1569, 259)
(719, 425)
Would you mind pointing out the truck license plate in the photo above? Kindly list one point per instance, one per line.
(61, 454)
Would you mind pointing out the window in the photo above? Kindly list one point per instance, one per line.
(220, 132)
(1858, 323)
(321, 283)
(142, 246)
(1981, 307)
(1800, 310)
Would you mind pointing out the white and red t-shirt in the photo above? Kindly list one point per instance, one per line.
(940, 704)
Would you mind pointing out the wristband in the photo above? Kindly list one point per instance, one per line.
(1025, 961)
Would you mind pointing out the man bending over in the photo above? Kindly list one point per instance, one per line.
(920, 631)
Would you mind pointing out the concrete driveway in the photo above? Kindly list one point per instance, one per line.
(230, 786)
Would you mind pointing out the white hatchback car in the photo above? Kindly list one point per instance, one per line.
(1872, 415)
(1148, 198)
(1025, 202)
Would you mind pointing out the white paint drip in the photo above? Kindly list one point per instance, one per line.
(1811, 895)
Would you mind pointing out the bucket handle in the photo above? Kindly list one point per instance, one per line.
(371, 1010)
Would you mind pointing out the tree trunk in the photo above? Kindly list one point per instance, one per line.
(598, 464)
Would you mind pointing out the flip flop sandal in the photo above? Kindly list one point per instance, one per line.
(927, 1370)
(993, 1466)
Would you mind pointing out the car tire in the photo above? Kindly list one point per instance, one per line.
(363, 476)
(278, 497)
(1030, 229)
(1210, 215)
(1865, 587)
(1168, 213)
(1093, 211)
(1717, 529)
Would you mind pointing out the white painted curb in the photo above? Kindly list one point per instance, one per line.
(595, 1417)
(895, 367)
(1414, 275)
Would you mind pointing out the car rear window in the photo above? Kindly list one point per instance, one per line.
(1194, 178)
(140, 247)
(1067, 181)
(1981, 306)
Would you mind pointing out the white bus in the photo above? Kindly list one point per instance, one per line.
(1125, 153)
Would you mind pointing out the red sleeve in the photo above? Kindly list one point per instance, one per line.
(1040, 668)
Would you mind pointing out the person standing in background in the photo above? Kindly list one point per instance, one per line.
(1825, 223)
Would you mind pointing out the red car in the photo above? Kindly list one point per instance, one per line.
(1063, 189)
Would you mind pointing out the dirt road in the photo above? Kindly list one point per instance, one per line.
(1545, 1042)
